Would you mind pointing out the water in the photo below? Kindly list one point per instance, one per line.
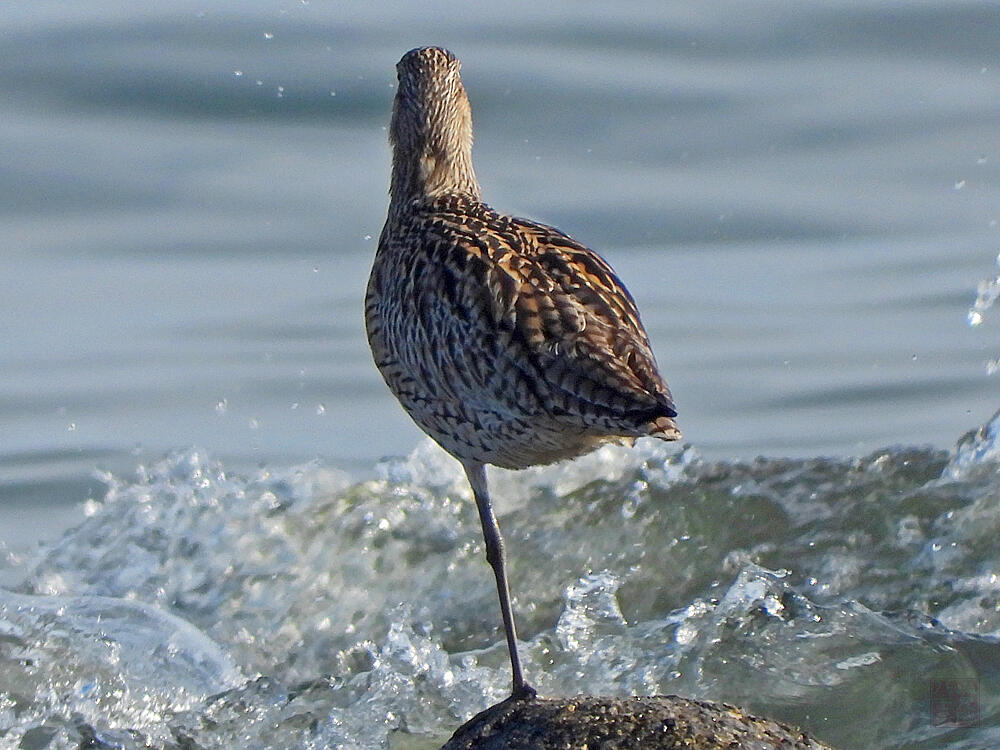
(803, 200)
(299, 609)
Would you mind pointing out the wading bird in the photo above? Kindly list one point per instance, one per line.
(506, 341)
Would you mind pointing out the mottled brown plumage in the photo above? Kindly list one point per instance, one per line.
(505, 340)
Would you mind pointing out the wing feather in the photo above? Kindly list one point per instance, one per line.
(581, 323)
(583, 349)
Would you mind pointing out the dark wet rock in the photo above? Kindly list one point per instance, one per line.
(658, 723)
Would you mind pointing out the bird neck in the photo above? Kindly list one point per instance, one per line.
(422, 177)
(432, 157)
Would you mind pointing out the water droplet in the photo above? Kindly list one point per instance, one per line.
(993, 366)
(320, 409)
(268, 35)
(773, 606)
(982, 160)
(295, 405)
(222, 407)
(959, 184)
(987, 292)
(254, 424)
(315, 269)
(259, 82)
(633, 500)
(333, 93)
(914, 358)
(238, 73)
(71, 427)
(686, 633)
(367, 237)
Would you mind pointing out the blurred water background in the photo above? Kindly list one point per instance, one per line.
(803, 198)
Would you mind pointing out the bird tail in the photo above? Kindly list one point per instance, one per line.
(664, 428)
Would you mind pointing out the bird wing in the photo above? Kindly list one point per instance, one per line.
(578, 321)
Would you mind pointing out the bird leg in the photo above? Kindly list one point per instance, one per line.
(495, 557)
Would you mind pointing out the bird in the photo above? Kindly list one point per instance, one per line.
(508, 342)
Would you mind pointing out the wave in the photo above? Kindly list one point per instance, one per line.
(298, 608)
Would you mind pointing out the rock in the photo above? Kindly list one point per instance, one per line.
(657, 723)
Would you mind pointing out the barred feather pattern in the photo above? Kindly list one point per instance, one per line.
(506, 341)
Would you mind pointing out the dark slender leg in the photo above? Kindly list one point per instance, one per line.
(495, 557)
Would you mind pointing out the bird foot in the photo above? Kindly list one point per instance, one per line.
(523, 692)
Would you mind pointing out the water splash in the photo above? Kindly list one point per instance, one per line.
(109, 662)
(977, 451)
(801, 589)
(987, 292)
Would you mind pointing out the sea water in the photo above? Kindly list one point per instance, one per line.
(198, 608)
(802, 199)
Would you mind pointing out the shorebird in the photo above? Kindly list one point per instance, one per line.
(506, 341)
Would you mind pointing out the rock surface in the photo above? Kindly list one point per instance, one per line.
(657, 723)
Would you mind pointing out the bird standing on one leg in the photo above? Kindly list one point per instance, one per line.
(506, 341)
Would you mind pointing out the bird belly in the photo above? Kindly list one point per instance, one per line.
(487, 436)
(470, 399)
